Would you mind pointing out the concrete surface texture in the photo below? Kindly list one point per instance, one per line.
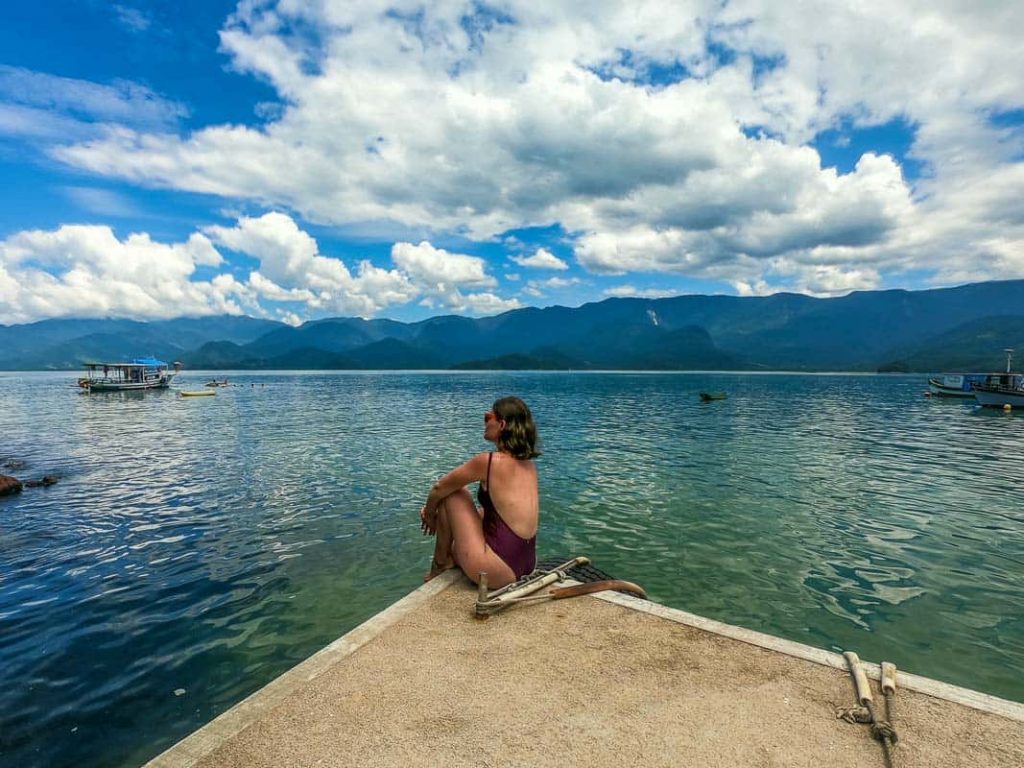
(575, 682)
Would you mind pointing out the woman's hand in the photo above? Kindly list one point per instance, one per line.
(428, 521)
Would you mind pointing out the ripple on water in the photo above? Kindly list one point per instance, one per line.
(208, 546)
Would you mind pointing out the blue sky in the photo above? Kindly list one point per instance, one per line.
(299, 160)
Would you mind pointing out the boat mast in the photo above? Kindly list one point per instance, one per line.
(1009, 356)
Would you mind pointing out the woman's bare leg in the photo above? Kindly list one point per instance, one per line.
(442, 544)
(468, 548)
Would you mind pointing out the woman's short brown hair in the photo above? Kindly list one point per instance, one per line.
(519, 435)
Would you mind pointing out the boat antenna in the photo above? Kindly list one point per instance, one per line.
(1009, 356)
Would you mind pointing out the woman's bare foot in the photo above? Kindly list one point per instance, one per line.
(436, 569)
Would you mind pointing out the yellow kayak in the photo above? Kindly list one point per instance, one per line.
(199, 393)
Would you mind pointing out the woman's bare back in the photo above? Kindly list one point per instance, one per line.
(513, 488)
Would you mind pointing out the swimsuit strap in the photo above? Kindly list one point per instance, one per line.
(487, 482)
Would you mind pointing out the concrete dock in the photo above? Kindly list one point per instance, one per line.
(605, 680)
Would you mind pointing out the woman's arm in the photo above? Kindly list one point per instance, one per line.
(472, 471)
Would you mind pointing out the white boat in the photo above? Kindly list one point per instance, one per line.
(956, 384)
(999, 395)
(964, 384)
(1001, 390)
(139, 374)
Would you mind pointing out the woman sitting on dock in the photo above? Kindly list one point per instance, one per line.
(502, 544)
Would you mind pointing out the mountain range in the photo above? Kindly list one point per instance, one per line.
(962, 328)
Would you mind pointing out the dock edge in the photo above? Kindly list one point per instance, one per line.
(200, 743)
(935, 688)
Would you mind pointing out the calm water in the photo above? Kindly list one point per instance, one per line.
(194, 549)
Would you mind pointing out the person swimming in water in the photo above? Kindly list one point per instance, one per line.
(499, 538)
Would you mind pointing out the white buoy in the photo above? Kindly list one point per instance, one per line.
(1007, 407)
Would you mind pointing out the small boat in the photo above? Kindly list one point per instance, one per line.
(707, 397)
(1008, 395)
(216, 383)
(955, 384)
(963, 384)
(1001, 390)
(197, 393)
(139, 374)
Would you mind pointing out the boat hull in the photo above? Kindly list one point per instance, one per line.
(940, 388)
(999, 397)
(955, 385)
(98, 385)
(964, 384)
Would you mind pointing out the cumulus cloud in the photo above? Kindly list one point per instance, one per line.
(287, 254)
(293, 269)
(86, 271)
(444, 277)
(542, 258)
(461, 119)
(437, 268)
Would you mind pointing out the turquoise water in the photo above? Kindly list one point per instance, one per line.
(194, 549)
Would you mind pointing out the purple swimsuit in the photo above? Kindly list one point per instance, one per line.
(518, 553)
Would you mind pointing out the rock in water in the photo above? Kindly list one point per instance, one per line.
(9, 484)
(46, 480)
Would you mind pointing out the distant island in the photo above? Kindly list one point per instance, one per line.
(962, 328)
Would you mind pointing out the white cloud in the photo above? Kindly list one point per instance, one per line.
(489, 304)
(83, 103)
(827, 279)
(86, 271)
(537, 288)
(557, 282)
(438, 268)
(268, 289)
(290, 318)
(444, 277)
(131, 19)
(541, 259)
(622, 291)
(292, 269)
(287, 255)
(42, 125)
(458, 120)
